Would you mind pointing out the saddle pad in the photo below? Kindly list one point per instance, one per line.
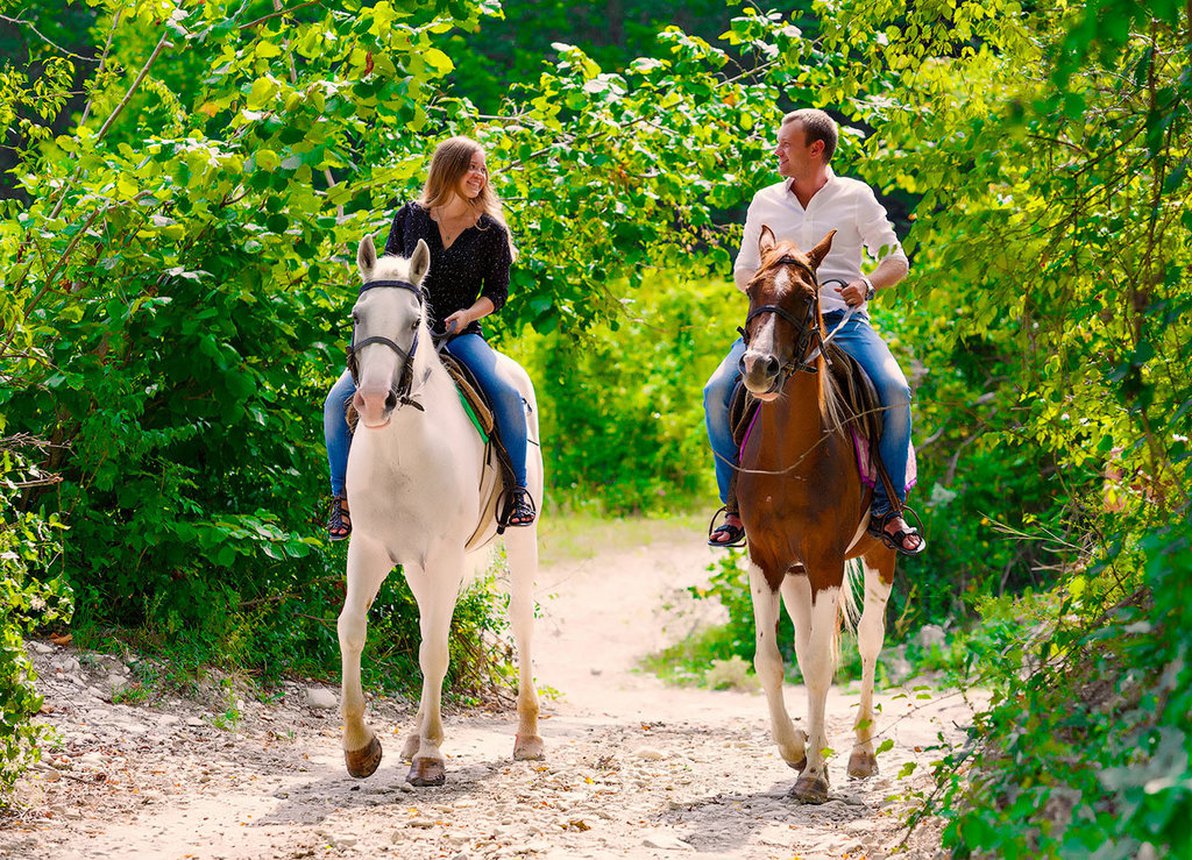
(470, 394)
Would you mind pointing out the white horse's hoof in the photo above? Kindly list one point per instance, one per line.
(427, 771)
(529, 748)
(363, 762)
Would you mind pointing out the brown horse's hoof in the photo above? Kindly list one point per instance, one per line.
(862, 764)
(363, 762)
(529, 748)
(798, 765)
(426, 771)
(801, 763)
(810, 789)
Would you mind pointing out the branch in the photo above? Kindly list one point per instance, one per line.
(279, 13)
(22, 22)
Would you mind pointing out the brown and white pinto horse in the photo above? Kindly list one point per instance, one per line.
(805, 508)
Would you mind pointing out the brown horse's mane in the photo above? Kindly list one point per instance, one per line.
(831, 402)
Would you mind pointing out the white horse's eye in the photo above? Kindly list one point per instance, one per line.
(414, 325)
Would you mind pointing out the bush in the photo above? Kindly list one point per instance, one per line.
(31, 596)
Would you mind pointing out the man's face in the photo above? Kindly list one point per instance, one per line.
(795, 157)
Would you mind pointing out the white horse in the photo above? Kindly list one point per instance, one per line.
(413, 484)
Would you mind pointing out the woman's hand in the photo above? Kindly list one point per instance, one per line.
(457, 322)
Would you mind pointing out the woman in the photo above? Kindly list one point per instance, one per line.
(471, 250)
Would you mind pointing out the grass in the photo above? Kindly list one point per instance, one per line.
(574, 536)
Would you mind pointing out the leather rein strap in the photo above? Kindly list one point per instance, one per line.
(402, 390)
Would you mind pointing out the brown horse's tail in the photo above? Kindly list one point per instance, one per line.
(850, 606)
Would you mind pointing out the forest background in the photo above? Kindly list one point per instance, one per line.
(184, 184)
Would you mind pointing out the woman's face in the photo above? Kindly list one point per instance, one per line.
(473, 181)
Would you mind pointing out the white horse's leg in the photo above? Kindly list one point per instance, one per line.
(368, 565)
(871, 632)
(522, 547)
(435, 587)
(767, 662)
(818, 665)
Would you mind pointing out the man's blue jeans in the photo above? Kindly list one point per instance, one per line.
(859, 340)
(472, 350)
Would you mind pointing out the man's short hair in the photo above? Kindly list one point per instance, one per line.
(817, 125)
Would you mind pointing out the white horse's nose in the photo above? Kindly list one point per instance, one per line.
(374, 405)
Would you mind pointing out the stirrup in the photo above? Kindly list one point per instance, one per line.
(519, 506)
(877, 529)
(337, 527)
(736, 534)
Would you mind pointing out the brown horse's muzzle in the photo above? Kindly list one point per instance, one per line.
(761, 372)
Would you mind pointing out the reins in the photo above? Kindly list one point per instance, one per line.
(402, 391)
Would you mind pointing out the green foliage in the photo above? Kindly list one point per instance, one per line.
(621, 403)
(30, 597)
(180, 270)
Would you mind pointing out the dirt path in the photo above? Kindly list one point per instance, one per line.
(634, 768)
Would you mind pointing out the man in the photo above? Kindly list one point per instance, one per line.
(810, 201)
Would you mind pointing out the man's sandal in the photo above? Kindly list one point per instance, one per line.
(735, 534)
(897, 540)
(520, 510)
(339, 526)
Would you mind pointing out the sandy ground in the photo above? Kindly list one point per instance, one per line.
(634, 768)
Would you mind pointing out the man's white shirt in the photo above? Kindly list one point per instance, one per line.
(845, 205)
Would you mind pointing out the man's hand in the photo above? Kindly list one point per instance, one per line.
(853, 293)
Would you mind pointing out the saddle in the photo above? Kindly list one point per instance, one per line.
(863, 416)
(497, 475)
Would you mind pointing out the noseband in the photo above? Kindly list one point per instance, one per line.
(802, 357)
(401, 392)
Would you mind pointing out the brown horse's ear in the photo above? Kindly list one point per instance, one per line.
(766, 240)
(366, 257)
(816, 255)
(420, 262)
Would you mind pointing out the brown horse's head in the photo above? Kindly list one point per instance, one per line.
(784, 320)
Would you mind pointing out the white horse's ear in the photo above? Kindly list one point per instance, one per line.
(816, 255)
(366, 257)
(419, 262)
(766, 240)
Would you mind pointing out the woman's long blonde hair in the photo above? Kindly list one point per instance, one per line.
(449, 164)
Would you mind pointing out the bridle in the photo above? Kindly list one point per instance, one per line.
(401, 392)
(805, 352)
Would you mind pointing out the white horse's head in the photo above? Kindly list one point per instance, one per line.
(385, 337)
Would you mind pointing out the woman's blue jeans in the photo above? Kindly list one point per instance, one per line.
(509, 409)
(859, 340)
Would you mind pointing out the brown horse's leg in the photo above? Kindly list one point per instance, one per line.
(818, 663)
(767, 661)
(368, 565)
(871, 631)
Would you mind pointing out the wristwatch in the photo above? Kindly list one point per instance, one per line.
(870, 292)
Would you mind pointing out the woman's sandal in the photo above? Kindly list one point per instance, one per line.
(339, 526)
(897, 540)
(736, 534)
(520, 510)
